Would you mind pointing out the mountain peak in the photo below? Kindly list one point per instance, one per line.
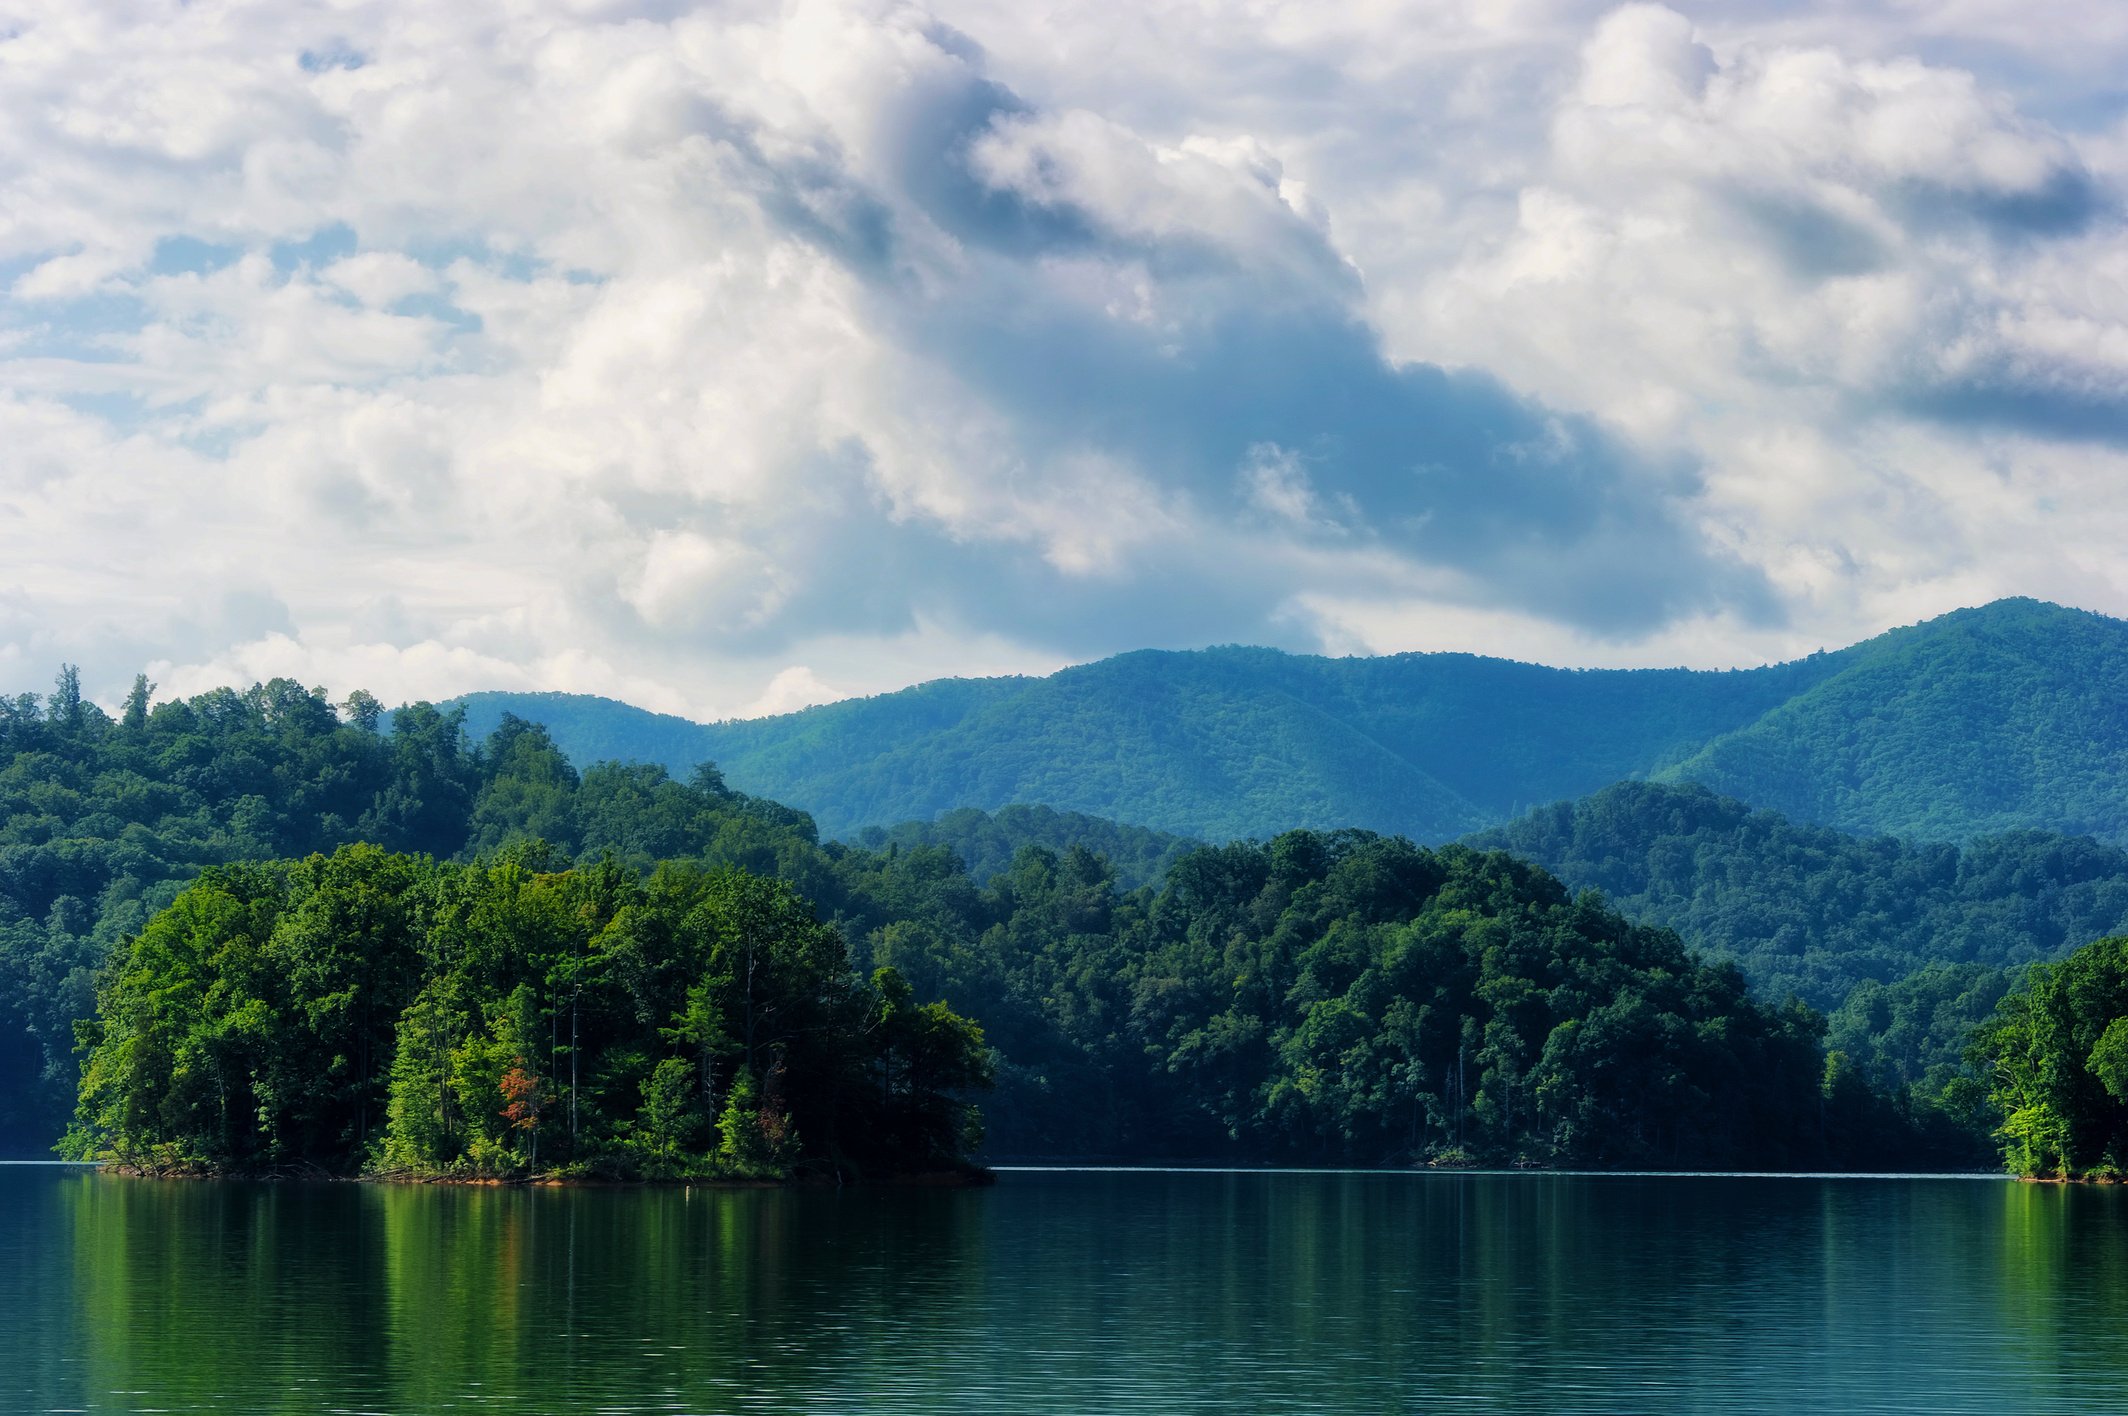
(2009, 714)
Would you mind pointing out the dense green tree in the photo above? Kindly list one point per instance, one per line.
(187, 1052)
(1347, 998)
(528, 791)
(434, 777)
(103, 821)
(135, 717)
(668, 1122)
(2055, 1057)
(930, 1061)
(263, 1019)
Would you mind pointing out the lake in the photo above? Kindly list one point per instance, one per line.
(1068, 1291)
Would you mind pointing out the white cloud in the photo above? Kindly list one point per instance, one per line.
(794, 688)
(728, 356)
(382, 278)
(1275, 481)
(685, 578)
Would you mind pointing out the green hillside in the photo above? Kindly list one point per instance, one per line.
(1813, 911)
(1219, 743)
(2012, 716)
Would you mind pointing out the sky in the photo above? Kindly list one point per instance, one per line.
(726, 358)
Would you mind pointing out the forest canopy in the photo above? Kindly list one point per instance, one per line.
(1346, 998)
(371, 1011)
(1341, 998)
(104, 819)
(2055, 1058)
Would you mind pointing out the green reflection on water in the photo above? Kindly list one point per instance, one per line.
(1084, 1292)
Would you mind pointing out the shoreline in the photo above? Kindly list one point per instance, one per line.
(2071, 1179)
(974, 1178)
(980, 1177)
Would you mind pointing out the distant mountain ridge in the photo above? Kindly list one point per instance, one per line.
(2010, 716)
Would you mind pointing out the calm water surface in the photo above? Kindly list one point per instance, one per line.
(1068, 1292)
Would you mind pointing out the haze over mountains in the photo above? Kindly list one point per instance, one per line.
(2010, 716)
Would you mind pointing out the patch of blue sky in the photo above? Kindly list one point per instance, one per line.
(436, 307)
(124, 409)
(188, 255)
(86, 328)
(331, 55)
(321, 248)
(338, 241)
(130, 408)
(2093, 110)
(213, 440)
(510, 265)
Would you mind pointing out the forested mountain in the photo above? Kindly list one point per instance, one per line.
(2011, 716)
(1216, 744)
(1124, 1018)
(1813, 911)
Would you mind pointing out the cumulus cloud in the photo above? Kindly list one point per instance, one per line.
(725, 357)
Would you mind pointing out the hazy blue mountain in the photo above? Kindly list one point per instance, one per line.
(1217, 744)
(2012, 716)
